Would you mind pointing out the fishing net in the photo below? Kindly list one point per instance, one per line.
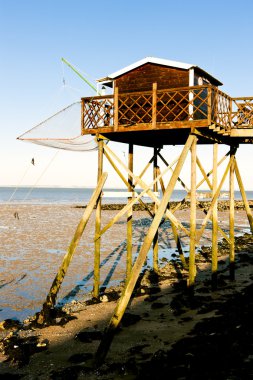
(62, 131)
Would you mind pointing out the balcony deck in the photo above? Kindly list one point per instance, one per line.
(164, 117)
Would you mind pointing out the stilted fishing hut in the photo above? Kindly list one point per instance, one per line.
(157, 103)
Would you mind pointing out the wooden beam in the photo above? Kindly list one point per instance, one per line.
(126, 182)
(200, 183)
(169, 214)
(96, 281)
(204, 173)
(154, 105)
(232, 218)
(51, 297)
(125, 297)
(131, 203)
(174, 229)
(244, 196)
(215, 197)
(155, 189)
(129, 216)
(241, 132)
(192, 266)
(179, 179)
(116, 111)
(215, 221)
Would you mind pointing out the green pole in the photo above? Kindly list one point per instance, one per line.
(80, 75)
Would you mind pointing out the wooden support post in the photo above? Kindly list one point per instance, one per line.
(209, 104)
(129, 215)
(169, 214)
(82, 116)
(155, 188)
(137, 198)
(116, 108)
(125, 297)
(174, 228)
(192, 267)
(204, 173)
(98, 225)
(51, 297)
(126, 182)
(154, 105)
(215, 222)
(244, 197)
(232, 218)
(215, 197)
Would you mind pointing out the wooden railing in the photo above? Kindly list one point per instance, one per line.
(242, 112)
(159, 107)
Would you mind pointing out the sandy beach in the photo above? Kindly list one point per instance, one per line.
(162, 329)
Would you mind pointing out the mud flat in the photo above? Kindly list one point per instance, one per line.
(164, 332)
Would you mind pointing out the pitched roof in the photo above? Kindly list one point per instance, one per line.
(157, 61)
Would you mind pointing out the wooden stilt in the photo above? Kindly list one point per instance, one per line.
(134, 200)
(200, 183)
(192, 267)
(125, 297)
(126, 182)
(51, 297)
(174, 229)
(244, 197)
(232, 218)
(155, 188)
(215, 222)
(215, 197)
(169, 214)
(98, 226)
(129, 215)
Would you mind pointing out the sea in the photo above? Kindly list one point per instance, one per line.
(76, 196)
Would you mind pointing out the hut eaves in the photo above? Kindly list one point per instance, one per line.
(158, 61)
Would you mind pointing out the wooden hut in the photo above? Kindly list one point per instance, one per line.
(156, 102)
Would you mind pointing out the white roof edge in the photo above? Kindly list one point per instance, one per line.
(158, 61)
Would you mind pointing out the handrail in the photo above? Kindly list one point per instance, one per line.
(160, 106)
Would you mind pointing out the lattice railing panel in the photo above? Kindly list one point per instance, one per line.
(172, 105)
(221, 109)
(135, 109)
(98, 112)
(242, 113)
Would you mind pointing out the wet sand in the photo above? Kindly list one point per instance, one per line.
(163, 334)
(34, 245)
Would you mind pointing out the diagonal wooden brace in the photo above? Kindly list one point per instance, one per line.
(129, 205)
(125, 297)
(215, 197)
(51, 297)
(168, 213)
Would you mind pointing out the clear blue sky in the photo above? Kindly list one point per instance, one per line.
(100, 37)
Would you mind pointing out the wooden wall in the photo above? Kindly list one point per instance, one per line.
(142, 78)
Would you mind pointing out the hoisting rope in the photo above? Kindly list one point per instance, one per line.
(41, 175)
(16, 214)
(19, 183)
